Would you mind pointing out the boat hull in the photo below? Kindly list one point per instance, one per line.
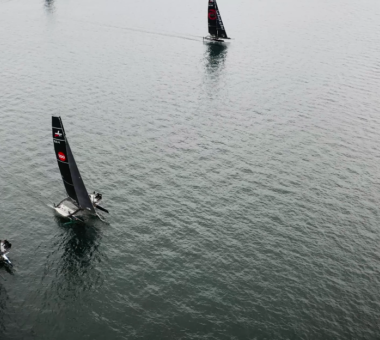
(68, 210)
(215, 40)
(64, 210)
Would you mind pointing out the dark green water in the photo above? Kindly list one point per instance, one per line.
(243, 181)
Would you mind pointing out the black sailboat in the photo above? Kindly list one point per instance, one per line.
(215, 23)
(78, 199)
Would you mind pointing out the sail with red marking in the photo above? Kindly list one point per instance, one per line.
(71, 177)
(60, 147)
(215, 22)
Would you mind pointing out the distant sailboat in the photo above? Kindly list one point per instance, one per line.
(78, 199)
(215, 23)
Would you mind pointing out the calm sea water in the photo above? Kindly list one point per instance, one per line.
(243, 181)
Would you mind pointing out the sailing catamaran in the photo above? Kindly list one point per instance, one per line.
(215, 23)
(78, 200)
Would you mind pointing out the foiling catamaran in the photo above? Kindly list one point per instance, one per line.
(78, 201)
(215, 23)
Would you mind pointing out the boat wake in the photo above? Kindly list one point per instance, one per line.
(140, 30)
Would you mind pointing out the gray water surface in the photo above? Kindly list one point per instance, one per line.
(242, 181)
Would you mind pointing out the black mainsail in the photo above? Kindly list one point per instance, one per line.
(215, 22)
(60, 147)
(71, 177)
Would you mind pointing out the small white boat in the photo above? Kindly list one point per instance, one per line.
(4, 252)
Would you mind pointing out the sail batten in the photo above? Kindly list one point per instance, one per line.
(215, 22)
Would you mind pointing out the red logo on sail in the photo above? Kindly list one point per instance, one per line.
(61, 156)
(58, 134)
(212, 14)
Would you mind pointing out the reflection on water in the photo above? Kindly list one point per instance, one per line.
(8, 316)
(49, 5)
(214, 59)
(215, 56)
(6, 268)
(81, 241)
(3, 302)
(80, 245)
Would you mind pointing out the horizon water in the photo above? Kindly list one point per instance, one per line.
(242, 180)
